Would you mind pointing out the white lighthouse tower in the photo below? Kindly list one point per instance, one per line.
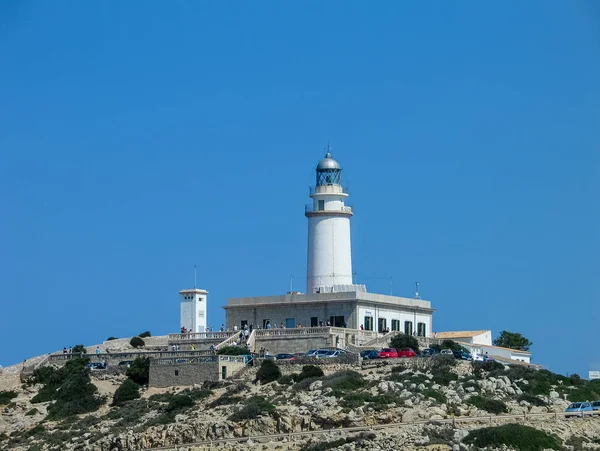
(329, 254)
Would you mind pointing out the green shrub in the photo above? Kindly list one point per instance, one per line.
(344, 380)
(383, 401)
(584, 393)
(139, 371)
(516, 436)
(441, 435)
(443, 376)
(127, 391)
(479, 368)
(79, 349)
(130, 414)
(309, 371)
(111, 338)
(354, 400)
(405, 341)
(268, 372)
(437, 395)
(288, 379)
(145, 334)
(233, 350)
(6, 396)
(448, 344)
(253, 407)
(31, 412)
(70, 387)
(137, 342)
(489, 405)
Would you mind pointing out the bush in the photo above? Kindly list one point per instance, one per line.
(139, 371)
(233, 350)
(344, 380)
(516, 436)
(79, 349)
(479, 368)
(288, 379)
(127, 391)
(449, 344)
(31, 412)
(268, 372)
(489, 405)
(6, 396)
(137, 342)
(437, 395)
(111, 338)
(309, 371)
(443, 376)
(76, 395)
(145, 334)
(405, 341)
(253, 407)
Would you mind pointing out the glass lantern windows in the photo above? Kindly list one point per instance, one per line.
(329, 177)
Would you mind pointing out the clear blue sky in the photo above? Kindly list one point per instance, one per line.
(140, 138)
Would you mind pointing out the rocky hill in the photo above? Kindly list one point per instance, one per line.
(104, 411)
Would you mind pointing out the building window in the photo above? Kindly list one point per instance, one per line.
(381, 325)
(290, 323)
(368, 323)
(223, 372)
(408, 327)
(421, 329)
(321, 205)
(176, 372)
(395, 324)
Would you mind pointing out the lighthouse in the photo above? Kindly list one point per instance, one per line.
(329, 267)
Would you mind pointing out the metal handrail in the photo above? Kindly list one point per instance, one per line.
(310, 208)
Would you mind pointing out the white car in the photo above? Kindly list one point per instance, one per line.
(478, 358)
(446, 352)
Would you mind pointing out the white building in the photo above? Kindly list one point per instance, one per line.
(480, 342)
(331, 297)
(193, 309)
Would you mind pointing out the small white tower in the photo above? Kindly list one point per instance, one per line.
(329, 253)
(193, 309)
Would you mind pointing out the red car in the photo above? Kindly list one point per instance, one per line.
(406, 352)
(388, 353)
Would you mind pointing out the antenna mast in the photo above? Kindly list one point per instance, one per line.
(417, 291)
(194, 277)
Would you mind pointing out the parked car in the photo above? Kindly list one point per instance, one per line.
(427, 352)
(388, 353)
(283, 356)
(298, 355)
(578, 409)
(406, 352)
(317, 352)
(97, 365)
(330, 354)
(446, 352)
(126, 363)
(462, 355)
(596, 405)
(371, 354)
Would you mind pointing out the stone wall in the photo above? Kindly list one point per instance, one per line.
(162, 376)
(293, 344)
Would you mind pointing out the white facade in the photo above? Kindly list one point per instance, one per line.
(499, 352)
(193, 309)
(416, 322)
(329, 251)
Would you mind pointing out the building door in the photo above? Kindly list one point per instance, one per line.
(408, 327)
(314, 321)
(223, 372)
(290, 323)
(336, 321)
(244, 323)
(265, 322)
(381, 325)
(368, 323)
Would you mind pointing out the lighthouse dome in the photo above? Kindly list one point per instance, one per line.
(328, 164)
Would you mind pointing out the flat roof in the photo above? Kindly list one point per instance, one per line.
(357, 296)
(461, 333)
